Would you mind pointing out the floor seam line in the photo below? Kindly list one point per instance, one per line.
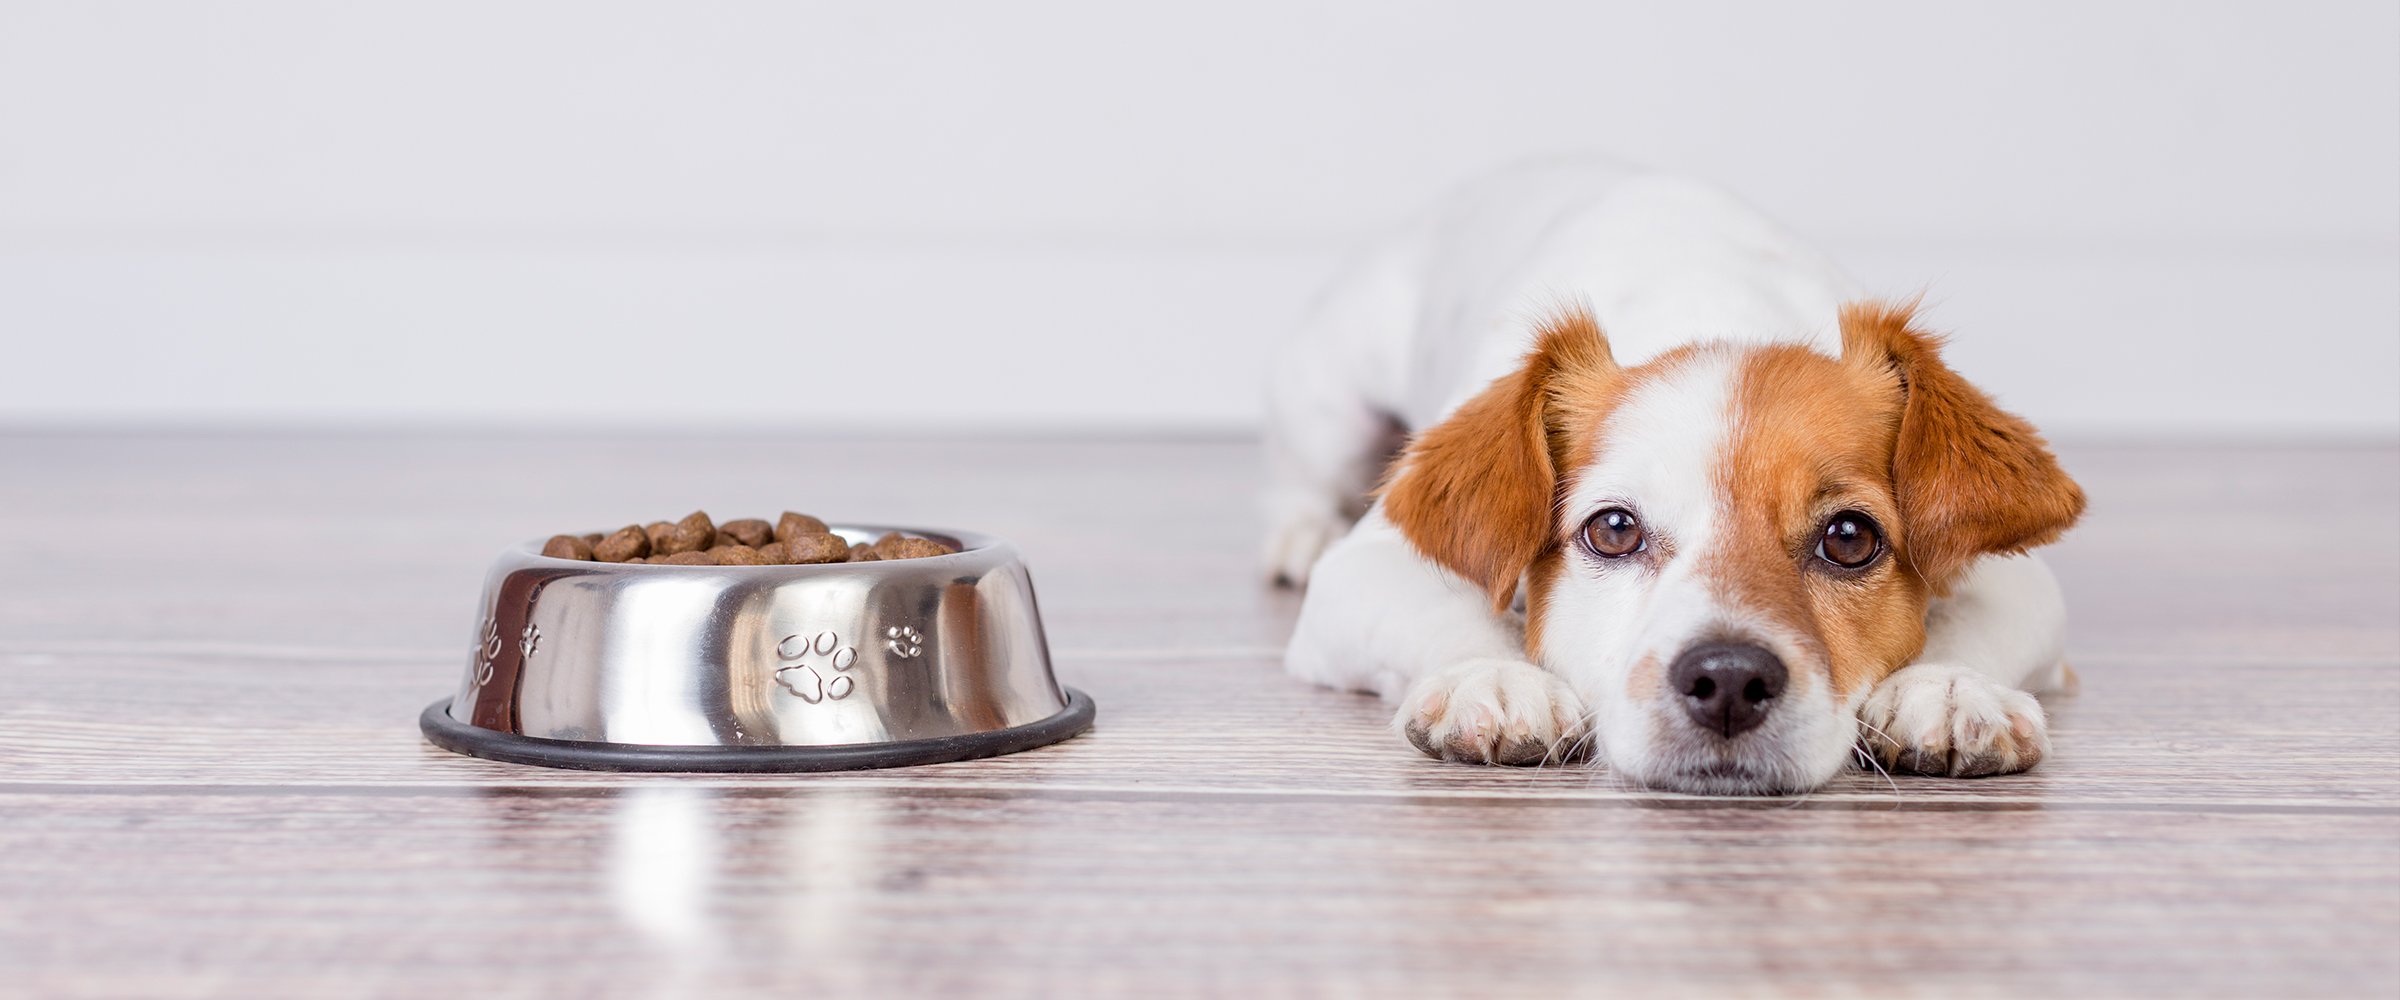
(212, 649)
(1850, 802)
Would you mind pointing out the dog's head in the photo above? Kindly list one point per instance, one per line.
(1723, 549)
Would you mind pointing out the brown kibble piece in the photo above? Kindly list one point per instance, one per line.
(629, 543)
(696, 531)
(792, 526)
(688, 559)
(894, 545)
(748, 531)
(737, 555)
(693, 534)
(863, 552)
(593, 538)
(912, 548)
(567, 547)
(811, 549)
(806, 550)
(660, 532)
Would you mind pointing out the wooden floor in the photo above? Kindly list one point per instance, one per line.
(213, 650)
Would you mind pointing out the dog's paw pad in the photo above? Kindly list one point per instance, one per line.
(1952, 722)
(1493, 712)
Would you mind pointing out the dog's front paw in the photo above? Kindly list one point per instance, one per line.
(1493, 712)
(1937, 719)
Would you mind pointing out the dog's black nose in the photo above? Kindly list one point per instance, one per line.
(1728, 687)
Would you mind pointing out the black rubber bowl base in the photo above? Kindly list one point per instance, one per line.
(450, 734)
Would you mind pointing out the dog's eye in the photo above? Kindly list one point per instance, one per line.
(1851, 540)
(1613, 533)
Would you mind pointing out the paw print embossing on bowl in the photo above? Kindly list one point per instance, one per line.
(904, 641)
(487, 649)
(804, 680)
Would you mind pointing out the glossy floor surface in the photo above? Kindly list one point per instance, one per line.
(213, 651)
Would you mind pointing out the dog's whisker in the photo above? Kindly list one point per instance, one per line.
(1868, 756)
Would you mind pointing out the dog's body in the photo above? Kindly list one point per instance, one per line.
(1650, 498)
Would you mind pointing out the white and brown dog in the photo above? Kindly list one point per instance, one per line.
(1726, 556)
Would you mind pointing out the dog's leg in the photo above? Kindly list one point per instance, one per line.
(1382, 618)
(1965, 707)
(1330, 401)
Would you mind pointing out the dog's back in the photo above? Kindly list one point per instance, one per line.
(1660, 259)
(1428, 317)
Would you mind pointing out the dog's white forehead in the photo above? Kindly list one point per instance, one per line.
(1661, 447)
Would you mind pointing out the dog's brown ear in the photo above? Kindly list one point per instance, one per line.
(1972, 478)
(1475, 492)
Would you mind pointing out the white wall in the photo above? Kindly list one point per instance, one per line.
(2139, 217)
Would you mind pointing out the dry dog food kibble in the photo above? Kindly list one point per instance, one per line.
(567, 547)
(894, 545)
(628, 543)
(748, 531)
(793, 540)
(792, 526)
(736, 555)
(818, 548)
(696, 532)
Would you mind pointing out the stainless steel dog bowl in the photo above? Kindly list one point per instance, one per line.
(759, 668)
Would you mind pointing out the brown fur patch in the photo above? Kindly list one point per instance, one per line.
(1972, 478)
(1475, 492)
(1540, 579)
(1891, 431)
(1811, 437)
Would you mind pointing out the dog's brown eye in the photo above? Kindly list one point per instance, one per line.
(1851, 540)
(1614, 533)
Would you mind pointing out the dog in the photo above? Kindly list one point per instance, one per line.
(1673, 491)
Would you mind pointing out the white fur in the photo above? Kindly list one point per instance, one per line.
(1492, 711)
(1427, 320)
(2000, 634)
(1396, 617)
